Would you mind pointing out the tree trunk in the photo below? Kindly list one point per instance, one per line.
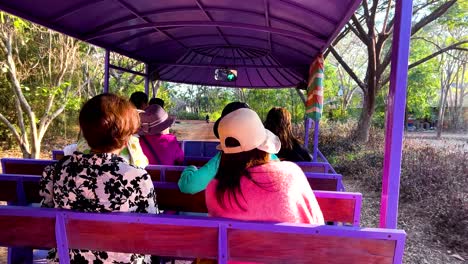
(445, 86)
(365, 120)
(368, 103)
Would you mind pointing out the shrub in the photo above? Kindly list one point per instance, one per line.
(434, 178)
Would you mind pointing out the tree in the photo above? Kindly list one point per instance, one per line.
(451, 82)
(373, 24)
(40, 67)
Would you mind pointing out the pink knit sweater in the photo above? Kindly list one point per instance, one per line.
(284, 195)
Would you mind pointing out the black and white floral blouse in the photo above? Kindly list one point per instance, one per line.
(98, 183)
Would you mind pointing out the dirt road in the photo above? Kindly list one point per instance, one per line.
(194, 130)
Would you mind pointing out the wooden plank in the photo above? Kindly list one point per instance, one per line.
(155, 239)
(31, 189)
(8, 191)
(312, 168)
(155, 174)
(323, 184)
(26, 231)
(340, 210)
(30, 167)
(174, 200)
(173, 175)
(196, 161)
(269, 247)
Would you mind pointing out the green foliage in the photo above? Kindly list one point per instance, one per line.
(164, 92)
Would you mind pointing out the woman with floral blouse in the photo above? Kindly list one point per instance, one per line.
(101, 181)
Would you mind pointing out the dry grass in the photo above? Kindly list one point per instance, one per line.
(433, 193)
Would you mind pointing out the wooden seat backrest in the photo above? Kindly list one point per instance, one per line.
(336, 206)
(318, 181)
(21, 227)
(324, 244)
(25, 166)
(190, 237)
(141, 235)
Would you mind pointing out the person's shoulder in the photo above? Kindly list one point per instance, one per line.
(277, 168)
(211, 187)
(283, 165)
(126, 167)
(171, 137)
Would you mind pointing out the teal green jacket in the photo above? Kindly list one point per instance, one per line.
(195, 180)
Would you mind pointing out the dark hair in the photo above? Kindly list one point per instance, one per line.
(139, 99)
(157, 101)
(107, 121)
(232, 168)
(231, 107)
(278, 121)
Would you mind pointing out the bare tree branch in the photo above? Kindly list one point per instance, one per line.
(373, 13)
(435, 54)
(347, 68)
(442, 9)
(343, 34)
(361, 33)
(387, 12)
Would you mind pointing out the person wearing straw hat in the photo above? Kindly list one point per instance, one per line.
(157, 144)
(248, 185)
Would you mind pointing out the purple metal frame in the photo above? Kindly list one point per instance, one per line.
(316, 138)
(115, 67)
(106, 71)
(395, 115)
(61, 237)
(147, 80)
(284, 32)
(307, 124)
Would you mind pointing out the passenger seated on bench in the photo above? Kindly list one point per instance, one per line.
(132, 152)
(159, 146)
(157, 101)
(139, 100)
(278, 121)
(101, 181)
(195, 180)
(248, 186)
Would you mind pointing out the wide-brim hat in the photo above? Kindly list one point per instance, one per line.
(228, 109)
(154, 120)
(245, 126)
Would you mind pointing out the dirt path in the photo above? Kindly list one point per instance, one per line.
(194, 130)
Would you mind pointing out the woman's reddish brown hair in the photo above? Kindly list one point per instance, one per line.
(107, 121)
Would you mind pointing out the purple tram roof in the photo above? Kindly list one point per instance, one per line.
(270, 42)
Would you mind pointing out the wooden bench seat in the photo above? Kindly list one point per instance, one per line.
(190, 237)
(336, 206)
(165, 173)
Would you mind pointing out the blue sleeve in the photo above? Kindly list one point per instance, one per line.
(195, 180)
(274, 157)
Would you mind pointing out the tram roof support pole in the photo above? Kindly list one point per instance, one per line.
(106, 71)
(395, 115)
(316, 139)
(147, 79)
